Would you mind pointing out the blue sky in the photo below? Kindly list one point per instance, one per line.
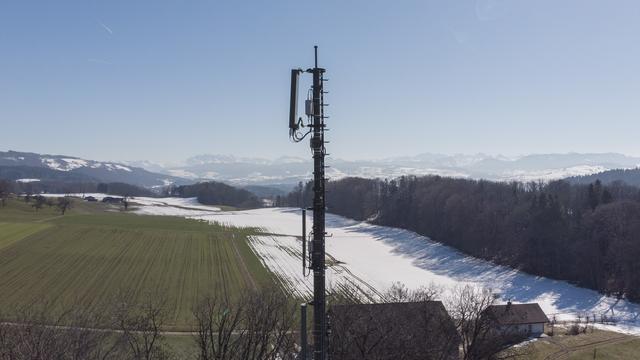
(164, 80)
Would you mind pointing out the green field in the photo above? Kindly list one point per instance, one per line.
(89, 256)
(13, 232)
(602, 344)
(624, 350)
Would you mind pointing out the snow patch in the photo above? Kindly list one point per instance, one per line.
(550, 174)
(372, 257)
(72, 163)
(68, 164)
(120, 167)
(379, 255)
(52, 164)
(376, 256)
(282, 254)
(171, 206)
(27, 180)
(64, 164)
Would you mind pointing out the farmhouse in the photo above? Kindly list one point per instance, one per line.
(414, 330)
(519, 319)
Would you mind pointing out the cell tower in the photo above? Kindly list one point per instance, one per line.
(314, 109)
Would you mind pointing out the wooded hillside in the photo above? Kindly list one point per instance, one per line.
(628, 176)
(216, 193)
(587, 234)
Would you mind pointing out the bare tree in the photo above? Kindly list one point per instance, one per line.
(39, 203)
(269, 317)
(217, 321)
(255, 327)
(482, 338)
(64, 204)
(400, 324)
(35, 332)
(398, 292)
(140, 326)
(5, 188)
(83, 339)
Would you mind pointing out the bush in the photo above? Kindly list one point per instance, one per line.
(573, 330)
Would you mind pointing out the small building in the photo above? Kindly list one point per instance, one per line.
(519, 319)
(413, 330)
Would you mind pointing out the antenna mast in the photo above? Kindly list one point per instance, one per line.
(314, 109)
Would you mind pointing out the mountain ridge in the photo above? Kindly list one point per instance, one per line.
(290, 170)
(70, 168)
(285, 171)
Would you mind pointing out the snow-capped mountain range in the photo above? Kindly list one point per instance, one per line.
(22, 166)
(286, 171)
(289, 170)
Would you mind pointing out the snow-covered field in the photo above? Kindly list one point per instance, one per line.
(373, 257)
(156, 206)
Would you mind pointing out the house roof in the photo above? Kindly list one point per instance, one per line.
(389, 329)
(409, 315)
(514, 314)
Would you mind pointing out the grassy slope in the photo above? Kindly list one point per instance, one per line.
(89, 256)
(608, 345)
(626, 350)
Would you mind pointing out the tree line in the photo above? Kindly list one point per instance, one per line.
(256, 327)
(216, 193)
(629, 176)
(588, 234)
(208, 193)
(261, 324)
(63, 187)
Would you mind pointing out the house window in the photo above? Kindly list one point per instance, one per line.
(530, 328)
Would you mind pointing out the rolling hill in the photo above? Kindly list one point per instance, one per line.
(16, 165)
(628, 176)
(244, 171)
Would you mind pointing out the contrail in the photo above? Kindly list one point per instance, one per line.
(108, 29)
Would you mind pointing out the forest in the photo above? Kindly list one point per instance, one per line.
(587, 234)
(629, 176)
(216, 193)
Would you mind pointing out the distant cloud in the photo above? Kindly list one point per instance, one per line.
(106, 28)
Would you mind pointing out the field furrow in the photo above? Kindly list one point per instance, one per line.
(93, 260)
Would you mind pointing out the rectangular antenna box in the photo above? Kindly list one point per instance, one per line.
(308, 107)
